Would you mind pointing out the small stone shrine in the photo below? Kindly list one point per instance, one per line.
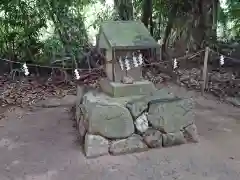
(129, 114)
(124, 43)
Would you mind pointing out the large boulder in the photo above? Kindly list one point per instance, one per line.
(171, 115)
(112, 121)
(129, 145)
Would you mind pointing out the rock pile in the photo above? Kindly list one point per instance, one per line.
(123, 125)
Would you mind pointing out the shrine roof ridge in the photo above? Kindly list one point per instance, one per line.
(127, 34)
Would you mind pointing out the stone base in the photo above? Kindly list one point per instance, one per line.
(117, 89)
(110, 125)
(96, 145)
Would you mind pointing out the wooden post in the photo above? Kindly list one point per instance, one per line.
(205, 66)
(113, 65)
(160, 52)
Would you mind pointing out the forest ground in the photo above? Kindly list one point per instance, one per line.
(42, 145)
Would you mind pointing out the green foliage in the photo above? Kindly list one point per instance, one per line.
(20, 24)
(22, 21)
(233, 14)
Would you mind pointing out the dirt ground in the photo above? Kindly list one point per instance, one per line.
(42, 145)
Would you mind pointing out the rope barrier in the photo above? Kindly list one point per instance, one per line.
(92, 69)
(44, 66)
(174, 63)
(224, 56)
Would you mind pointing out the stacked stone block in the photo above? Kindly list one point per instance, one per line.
(131, 124)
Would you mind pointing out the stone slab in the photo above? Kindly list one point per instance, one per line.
(153, 138)
(118, 89)
(191, 133)
(92, 97)
(173, 139)
(129, 145)
(95, 146)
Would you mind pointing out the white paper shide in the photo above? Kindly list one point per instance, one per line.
(77, 74)
(25, 69)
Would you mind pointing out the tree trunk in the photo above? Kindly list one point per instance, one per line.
(171, 18)
(204, 30)
(147, 12)
(124, 9)
(200, 30)
(216, 5)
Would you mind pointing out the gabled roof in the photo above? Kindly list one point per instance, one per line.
(127, 34)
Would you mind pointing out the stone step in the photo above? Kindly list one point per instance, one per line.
(117, 89)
